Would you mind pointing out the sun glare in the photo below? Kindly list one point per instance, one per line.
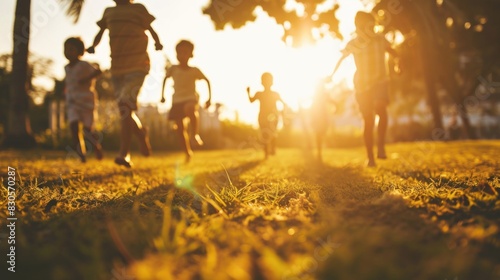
(297, 71)
(257, 48)
(297, 83)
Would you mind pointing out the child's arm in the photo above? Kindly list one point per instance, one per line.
(344, 56)
(97, 40)
(392, 52)
(158, 45)
(252, 99)
(395, 55)
(389, 49)
(95, 74)
(207, 104)
(163, 88)
(282, 102)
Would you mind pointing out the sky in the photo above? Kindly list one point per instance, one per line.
(231, 59)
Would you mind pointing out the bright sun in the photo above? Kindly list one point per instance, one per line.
(297, 71)
(314, 63)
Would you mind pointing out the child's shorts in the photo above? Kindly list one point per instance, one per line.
(377, 94)
(83, 115)
(268, 126)
(127, 89)
(178, 110)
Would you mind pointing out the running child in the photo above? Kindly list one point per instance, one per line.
(370, 81)
(268, 114)
(185, 100)
(127, 23)
(81, 98)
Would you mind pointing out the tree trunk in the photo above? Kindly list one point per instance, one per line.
(432, 97)
(429, 55)
(469, 87)
(468, 128)
(18, 134)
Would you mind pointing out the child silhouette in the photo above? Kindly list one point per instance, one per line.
(81, 97)
(185, 98)
(268, 114)
(370, 80)
(127, 23)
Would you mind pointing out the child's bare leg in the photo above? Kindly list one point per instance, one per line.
(77, 141)
(272, 145)
(142, 135)
(136, 123)
(368, 136)
(266, 149)
(184, 139)
(319, 144)
(90, 136)
(267, 144)
(381, 111)
(194, 120)
(126, 131)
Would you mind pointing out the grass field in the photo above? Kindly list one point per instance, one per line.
(431, 211)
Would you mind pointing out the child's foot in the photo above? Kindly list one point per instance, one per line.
(83, 159)
(198, 140)
(123, 162)
(371, 163)
(188, 157)
(381, 154)
(98, 153)
(144, 145)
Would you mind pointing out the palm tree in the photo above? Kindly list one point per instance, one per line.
(19, 134)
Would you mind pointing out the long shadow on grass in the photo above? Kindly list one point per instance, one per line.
(79, 177)
(378, 236)
(78, 244)
(339, 183)
(225, 175)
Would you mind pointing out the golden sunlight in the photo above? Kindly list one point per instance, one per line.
(257, 48)
(297, 71)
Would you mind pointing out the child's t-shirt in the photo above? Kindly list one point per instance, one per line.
(268, 102)
(185, 83)
(81, 95)
(127, 38)
(369, 56)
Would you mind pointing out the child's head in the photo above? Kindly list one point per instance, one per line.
(364, 21)
(184, 51)
(123, 2)
(73, 48)
(267, 80)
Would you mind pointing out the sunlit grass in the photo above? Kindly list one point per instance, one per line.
(232, 215)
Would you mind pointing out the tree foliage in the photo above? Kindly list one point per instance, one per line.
(457, 42)
(18, 133)
(74, 8)
(303, 23)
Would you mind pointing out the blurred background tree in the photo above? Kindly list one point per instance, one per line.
(451, 46)
(18, 132)
(38, 68)
(298, 23)
(457, 43)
